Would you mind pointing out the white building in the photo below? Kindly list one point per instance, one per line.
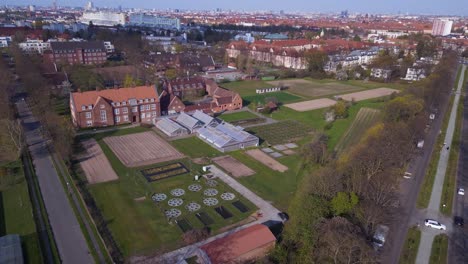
(4, 42)
(415, 74)
(104, 18)
(34, 46)
(247, 38)
(145, 20)
(109, 47)
(442, 27)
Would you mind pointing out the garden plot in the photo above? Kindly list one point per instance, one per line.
(233, 166)
(281, 132)
(95, 164)
(314, 89)
(365, 118)
(266, 160)
(311, 104)
(142, 149)
(369, 94)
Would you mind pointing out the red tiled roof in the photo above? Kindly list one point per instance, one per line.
(237, 244)
(114, 95)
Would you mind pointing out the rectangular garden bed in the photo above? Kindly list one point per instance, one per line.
(205, 218)
(184, 225)
(240, 206)
(162, 172)
(223, 212)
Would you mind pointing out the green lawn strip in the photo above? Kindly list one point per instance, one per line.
(449, 187)
(272, 185)
(137, 224)
(43, 210)
(120, 132)
(281, 97)
(195, 148)
(67, 177)
(410, 248)
(363, 120)
(424, 195)
(246, 88)
(439, 251)
(232, 117)
(18, 216)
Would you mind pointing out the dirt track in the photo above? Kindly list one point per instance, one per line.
(142, 149)
(266, 160)
(95, 163)
(233, 166)
(311, 105)
(369, 94)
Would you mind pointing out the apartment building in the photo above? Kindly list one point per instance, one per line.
(85, 52)
(115, 106)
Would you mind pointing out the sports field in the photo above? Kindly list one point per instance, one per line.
(365, 118)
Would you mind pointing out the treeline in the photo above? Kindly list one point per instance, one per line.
(57, 127)
(336, 210)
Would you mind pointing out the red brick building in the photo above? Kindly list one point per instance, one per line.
(115, 106)
(85, 52)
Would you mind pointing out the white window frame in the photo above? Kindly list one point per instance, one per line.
(117, 119)
(143, 115)
(153, 106)
(102, 106)
(103, 115)
(148, 107)
(117, 111)
(125, 110)
(125, 118)
(88, 115)
(135, 109)
(154, 114)
(142, 108)
(89, 123)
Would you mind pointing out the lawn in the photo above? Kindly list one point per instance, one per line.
(281, 97)
(439, 251)
(364, 119)
(281, 132)
(17, 215)
(137, 224)
(410, 249)
(364, 84)
(195, 147)
(311, 88)
(271, 185)
(246, 88)
(238, 116)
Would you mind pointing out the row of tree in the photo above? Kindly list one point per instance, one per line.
(336, 210)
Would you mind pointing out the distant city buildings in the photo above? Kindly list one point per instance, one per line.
(34, 46)
(102, 18)
(5, 41)
(145, 20)
(442, 27)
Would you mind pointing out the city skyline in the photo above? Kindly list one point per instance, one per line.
(430, 7)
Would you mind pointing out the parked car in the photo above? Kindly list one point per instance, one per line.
(284, 216)
(434, 224)
(407, 175)
(461, 191)
(458, 220)
(378, 240)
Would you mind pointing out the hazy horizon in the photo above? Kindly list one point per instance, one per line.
(432, 7)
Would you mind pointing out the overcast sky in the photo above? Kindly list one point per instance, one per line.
(443, 7)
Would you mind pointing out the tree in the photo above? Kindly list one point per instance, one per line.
(316, 61)
(343, 203)
(403, 108)
(85, 79)
(356, 38)
(341, 109)
(171, 74)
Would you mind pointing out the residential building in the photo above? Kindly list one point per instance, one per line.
(109, 47)
(59, 27)
(186, 87)
(442, 27)
(86, 52)
(415, 74)
(244, 246)
(34, 46)
(104, 18)
(115, 106)
(379, 73)
(146, 20)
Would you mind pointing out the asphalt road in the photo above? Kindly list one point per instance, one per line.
(458, 243)
(408, 214)
(70, 241)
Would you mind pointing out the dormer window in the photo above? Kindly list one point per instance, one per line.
(118, 103)
(90, 107)
(83, 107)
(146, 100)
(140, 101)
(124, 103)
(152, 100)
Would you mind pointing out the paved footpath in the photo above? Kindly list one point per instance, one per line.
(427, 236)
(70, 241)
(269, 212)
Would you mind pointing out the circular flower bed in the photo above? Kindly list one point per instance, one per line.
(210, 201)
(211, 183)
(210, 192)
(175, 202)
(228, 196)
(193, 206)
(178, 192)
(159, 197)
(173, 213)
(195, 187)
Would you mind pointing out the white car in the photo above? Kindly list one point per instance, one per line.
(461, 191)
(407, 175)
(434, 224)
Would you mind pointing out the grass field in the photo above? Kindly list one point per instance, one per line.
(439, 251)
(233, 117)
(281, 132)
(272, 185)
(364, 84)
(246, 88)
(311, 88)
(281, 97)
(364, 119)
(195, 148)
(138, 225)
(410, 249)
(16, 215)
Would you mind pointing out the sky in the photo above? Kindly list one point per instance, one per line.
(434, 7)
